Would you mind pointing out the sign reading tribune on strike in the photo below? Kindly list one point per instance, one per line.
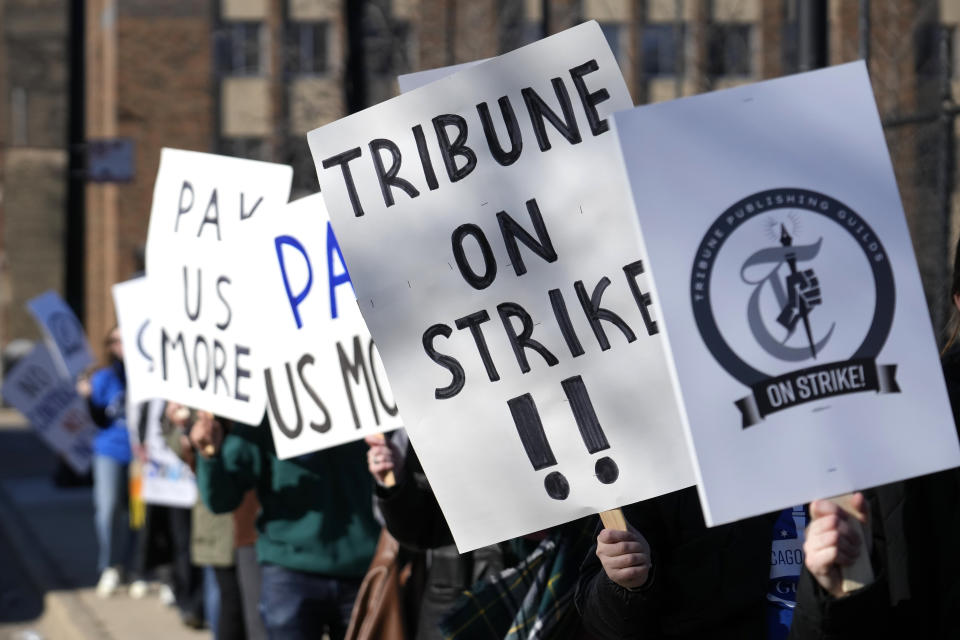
(497, 264)
(790, 294)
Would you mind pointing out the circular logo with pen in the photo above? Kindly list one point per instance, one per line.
(794, 296)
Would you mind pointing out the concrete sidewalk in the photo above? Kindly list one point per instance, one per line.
(48, 557)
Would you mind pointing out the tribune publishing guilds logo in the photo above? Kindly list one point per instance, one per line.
(794, 296)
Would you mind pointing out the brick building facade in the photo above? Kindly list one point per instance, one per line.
(251, 77)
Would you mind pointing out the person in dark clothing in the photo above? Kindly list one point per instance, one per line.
(412, 516)
(315, 533)
(672, 577)
(916, 590)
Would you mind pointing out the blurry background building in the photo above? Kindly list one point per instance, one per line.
(91, 91)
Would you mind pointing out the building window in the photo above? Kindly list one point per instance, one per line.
(242, 49)
(790, 37)
(307, 48)
(730, 50)
(662, 49)
(388, 56)
(246, 148)
(611, 31)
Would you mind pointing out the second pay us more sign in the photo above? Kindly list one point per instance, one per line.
(325, 383)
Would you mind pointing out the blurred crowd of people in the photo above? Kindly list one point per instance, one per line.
(350, 542)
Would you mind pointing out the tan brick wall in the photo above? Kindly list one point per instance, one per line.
(33, 57)
(314, 102)
(165, 99)
(245, 107)
(34, 207)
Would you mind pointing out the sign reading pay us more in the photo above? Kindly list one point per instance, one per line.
(325, 383)
(204, 206)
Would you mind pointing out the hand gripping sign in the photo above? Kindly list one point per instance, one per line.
(497, 266)
(789, 290)
(204, 207)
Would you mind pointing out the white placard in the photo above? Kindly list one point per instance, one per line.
(49, 401)
(789, 291)
(410, 81)
(134, 302)
(167, 480)
(488, 409)
(325, 382)
(63, 332)
(204, 206)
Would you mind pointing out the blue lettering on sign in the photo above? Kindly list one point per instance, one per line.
(295, 300)
(335, 280)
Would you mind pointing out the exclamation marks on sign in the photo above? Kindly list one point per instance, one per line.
(590, 429)
(527, 419)
(534, 439)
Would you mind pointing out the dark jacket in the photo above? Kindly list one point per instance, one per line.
(706, 583)
(916, 593)
(413, 517)
(315, 511)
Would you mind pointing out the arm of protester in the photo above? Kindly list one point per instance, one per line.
(383, 457)
(229, 470)
(177, 441)
(616, 591)
(823, 609)
(87, 388)
(410, 509)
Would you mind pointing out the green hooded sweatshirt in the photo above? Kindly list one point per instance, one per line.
(316, 510)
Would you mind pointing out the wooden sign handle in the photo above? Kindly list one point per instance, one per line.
(860, 573)
(613, 519)
(389, 480)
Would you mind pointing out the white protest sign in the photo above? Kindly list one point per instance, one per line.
(325, 382)
(49, 401)
(64, 333)
(497, 264)
(789, 291)
(167, 480)
(133, 302)
(410, 81)
(204, 206)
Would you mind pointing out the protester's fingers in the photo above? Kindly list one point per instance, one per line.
(378, 453)
(860, 507)
(629, 578)
(819, 561)
(822, 525)
(627, 560)
(822, 508)
(613, 536)
(374, 439)
(381, 467)
(619, 548)
(832, 531)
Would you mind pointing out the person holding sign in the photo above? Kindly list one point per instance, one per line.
(913, 525)
(668, 575)
(105, 392)
(316, 530)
